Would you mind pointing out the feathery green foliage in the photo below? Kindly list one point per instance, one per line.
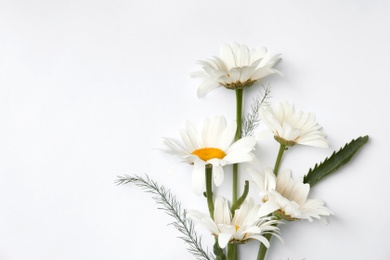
(335, 161)
(172, 207)
(251, 119)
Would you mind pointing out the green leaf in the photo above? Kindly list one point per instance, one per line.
(335, 161)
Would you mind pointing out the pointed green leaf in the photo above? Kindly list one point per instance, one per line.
(335, 161)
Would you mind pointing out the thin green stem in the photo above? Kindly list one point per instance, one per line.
(232, 251)
(263, 249)
(282, 148)
(239, 94)
(239, 201)
(209, 188)
(235, 183)
(219, 252)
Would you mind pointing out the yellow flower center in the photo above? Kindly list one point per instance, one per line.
(209, 153)
(237, 227)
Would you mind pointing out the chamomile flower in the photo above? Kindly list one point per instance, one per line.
(288, 196)
(236, 68)
(213, 145)
(291, 127)
(244, 226)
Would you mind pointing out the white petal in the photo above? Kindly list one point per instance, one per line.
(245, 144)
(192, 134)
(223, 239)
(222, 211)
(243, 56)
(258, 178)
(261, 239)
(268, 208)
(227, 54)
(253, 229)
(270, 179)
(198, 177)
(228, 135)
(283, 181)
(203, 220)
(206, 87)
(218, 175)
(300, 193)
(240, 214)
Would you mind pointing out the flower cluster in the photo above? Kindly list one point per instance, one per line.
(217, 148)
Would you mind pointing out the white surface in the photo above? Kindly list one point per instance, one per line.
(88, 88)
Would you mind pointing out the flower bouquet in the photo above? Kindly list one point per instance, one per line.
(211, 148)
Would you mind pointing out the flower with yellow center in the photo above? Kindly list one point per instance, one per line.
(287, 197)
(236, 68)
(291, 127)
(246, 224)
(213, 145)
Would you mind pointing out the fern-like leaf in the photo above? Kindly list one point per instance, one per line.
(168, 202)
(251, 120)
(335, 161)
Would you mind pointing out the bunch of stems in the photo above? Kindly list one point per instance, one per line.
(232, 251)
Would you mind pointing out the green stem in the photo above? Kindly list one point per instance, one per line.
(238, 202)
(235, 183)
(282, 148)
(209, 189)
(219, 253)
(232, 251)
(263, 249)
(239, 94)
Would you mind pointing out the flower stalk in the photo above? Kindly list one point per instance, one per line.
(239, 94)
(209, 187)
(220, 255)
(232, 252)
(218, 251)
(282, 148)
(263, 249)
(238, 202)
(232, 249)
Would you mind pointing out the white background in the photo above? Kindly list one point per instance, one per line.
(89, 88)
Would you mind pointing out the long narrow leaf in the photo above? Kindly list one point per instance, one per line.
(335, 161)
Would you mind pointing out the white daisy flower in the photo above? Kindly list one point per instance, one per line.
(292, 127)
(237, 68)
(213, 145)
(244, 226)
(288, 196)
